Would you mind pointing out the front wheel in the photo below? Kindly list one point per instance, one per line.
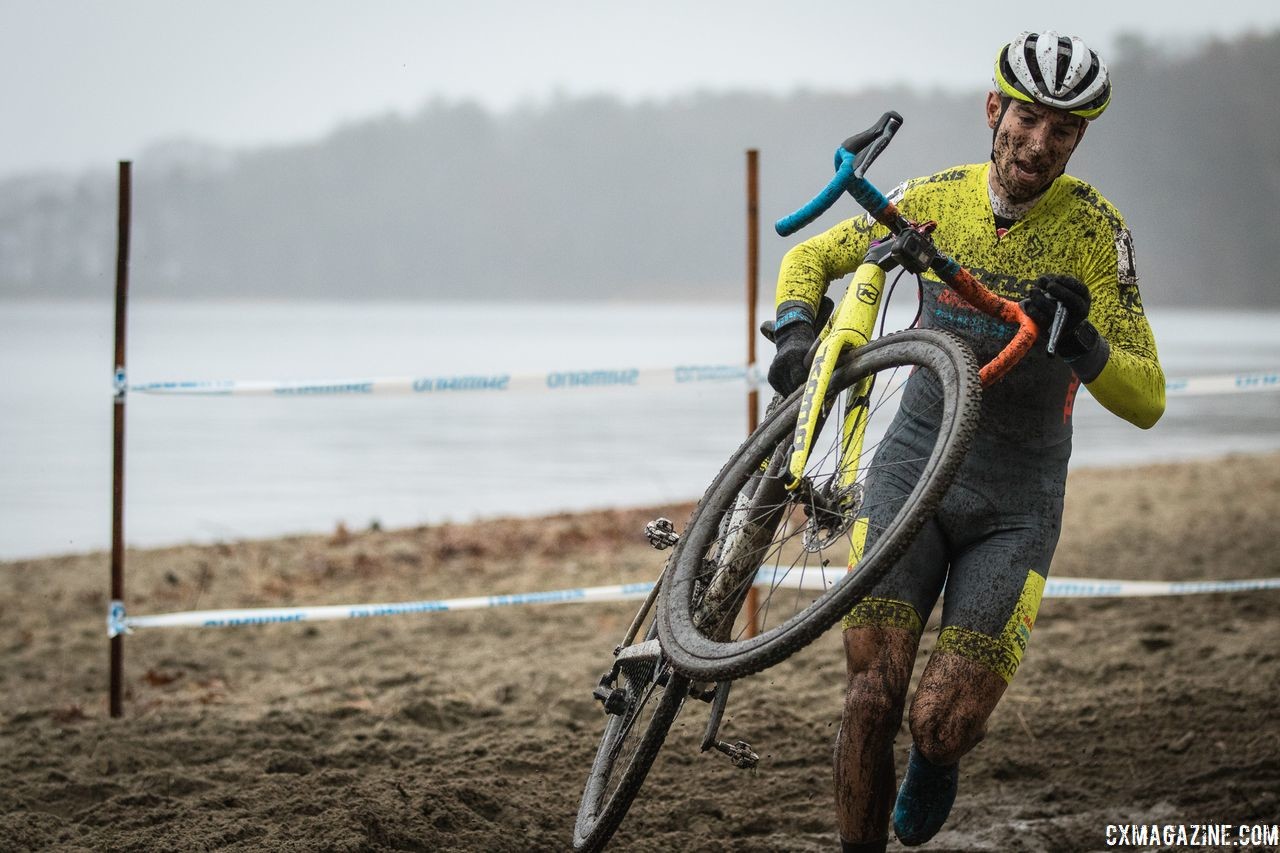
(898, 419)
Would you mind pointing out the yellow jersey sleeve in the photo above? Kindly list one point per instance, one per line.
(1131, 383)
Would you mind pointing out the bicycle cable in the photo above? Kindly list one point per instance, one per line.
(884, 315)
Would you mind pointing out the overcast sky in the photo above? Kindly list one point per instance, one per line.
(87, 82)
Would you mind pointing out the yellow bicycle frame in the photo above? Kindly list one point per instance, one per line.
(851, 326)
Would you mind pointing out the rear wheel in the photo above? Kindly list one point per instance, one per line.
(642, 696)
(813, 551)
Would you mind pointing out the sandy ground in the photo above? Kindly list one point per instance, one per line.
(473, 731)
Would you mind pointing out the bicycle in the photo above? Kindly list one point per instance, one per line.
(793, 498)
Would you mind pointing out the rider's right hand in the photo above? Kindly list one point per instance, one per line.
(788, 370)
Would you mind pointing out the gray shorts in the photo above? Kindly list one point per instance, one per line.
(986, 550)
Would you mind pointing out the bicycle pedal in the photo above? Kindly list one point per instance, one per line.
(661, 534)
(740, 754)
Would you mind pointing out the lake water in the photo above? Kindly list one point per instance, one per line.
(224, 468)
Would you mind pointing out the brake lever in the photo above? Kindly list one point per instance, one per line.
(888, 126)
(870, 143)
(1055, 328)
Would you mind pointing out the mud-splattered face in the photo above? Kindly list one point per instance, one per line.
(1032, 146)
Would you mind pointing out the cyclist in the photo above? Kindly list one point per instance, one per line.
(1031, 233)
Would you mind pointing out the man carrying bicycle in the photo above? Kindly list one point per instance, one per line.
(1031, 233)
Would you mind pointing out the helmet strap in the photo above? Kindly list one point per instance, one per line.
(995, 131)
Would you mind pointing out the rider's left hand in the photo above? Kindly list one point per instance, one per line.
(1077, 337)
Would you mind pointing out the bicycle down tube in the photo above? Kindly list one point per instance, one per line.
(850, 326)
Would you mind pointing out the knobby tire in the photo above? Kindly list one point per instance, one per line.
(709, 652)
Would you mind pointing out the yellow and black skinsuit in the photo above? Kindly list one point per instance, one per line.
(992, 539)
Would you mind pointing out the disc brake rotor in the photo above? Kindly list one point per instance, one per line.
(831, 513)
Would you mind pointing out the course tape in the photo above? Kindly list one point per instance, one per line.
(120, 623)
(1226, 384)
(570, 380)
(552, 381)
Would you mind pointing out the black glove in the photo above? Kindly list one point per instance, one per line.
(1078, 341)
(788, 371)
(1077, 334)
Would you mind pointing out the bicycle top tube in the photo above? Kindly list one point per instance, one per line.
(852, 159)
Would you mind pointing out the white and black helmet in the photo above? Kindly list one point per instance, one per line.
(1057, 71)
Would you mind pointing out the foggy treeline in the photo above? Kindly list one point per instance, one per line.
(596, 198)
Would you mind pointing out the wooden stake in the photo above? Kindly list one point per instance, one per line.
(117, 466)
(753, 290)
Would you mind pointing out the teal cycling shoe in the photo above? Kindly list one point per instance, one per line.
(924, 800)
